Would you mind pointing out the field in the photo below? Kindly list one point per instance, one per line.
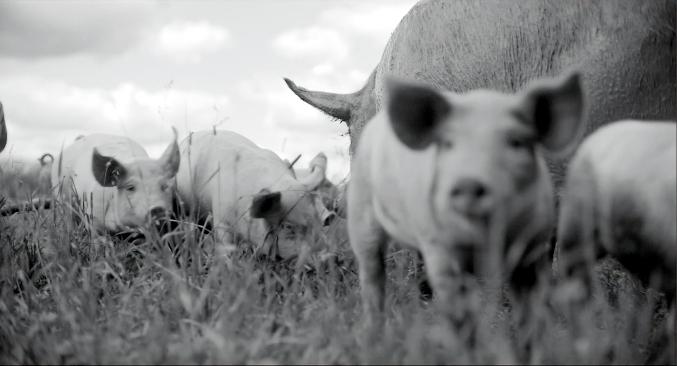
(66, 297)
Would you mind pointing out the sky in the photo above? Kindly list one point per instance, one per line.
(137, 68)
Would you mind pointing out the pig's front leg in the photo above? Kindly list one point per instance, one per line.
(457, 294)
(368, 241)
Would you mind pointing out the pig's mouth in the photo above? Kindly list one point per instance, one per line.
(475, 228)
(161, 223)
(478, 217)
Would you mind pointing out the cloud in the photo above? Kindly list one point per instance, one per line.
(41, 114)
(30, 29)
(376, 20)
(187, 41)
(313, 42)
(323, 48)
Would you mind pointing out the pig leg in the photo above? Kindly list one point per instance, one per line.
(456, 294)
(577, 246)
(368, 241)
(577, 241)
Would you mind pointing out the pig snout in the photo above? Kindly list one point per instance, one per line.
(472, 198)
(157, 213)
(161, 218)
(328, 217)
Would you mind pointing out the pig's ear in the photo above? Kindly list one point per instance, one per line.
(414, 111)
(171, 158)
(555, 109)
(107, 171)
(266, 205)
(318, 171)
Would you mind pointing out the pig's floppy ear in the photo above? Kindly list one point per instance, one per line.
(555, 109)
(107, 171)
(266, 205)
(171, 158)
(414, 111)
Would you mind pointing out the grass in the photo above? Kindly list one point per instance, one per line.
(66, 297)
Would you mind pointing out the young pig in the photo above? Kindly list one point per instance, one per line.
(462, 179)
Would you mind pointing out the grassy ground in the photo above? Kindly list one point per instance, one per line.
(68, 298)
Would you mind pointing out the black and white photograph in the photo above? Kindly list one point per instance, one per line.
(274, 182)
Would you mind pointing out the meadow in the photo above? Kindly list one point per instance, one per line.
(67, 297)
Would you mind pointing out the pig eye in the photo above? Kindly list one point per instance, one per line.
(288, 230)
(518, 143)
(130, 188)
(164, 186)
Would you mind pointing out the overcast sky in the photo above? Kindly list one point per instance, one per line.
(137, 68)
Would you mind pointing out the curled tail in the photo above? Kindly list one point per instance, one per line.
(44, 156)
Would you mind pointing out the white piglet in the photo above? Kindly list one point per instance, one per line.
(251, 193)
(620, 198)
(460, 178)
(116, 181)
(39, 173)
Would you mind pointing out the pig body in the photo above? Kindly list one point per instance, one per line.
(620, 199)
(39, 174)
(460, 178)
(250, 192)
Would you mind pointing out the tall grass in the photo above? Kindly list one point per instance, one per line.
(68, 297)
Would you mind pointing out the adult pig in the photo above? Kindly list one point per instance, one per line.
(624, 48)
